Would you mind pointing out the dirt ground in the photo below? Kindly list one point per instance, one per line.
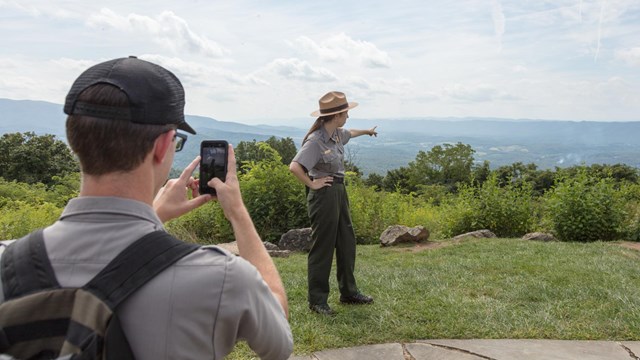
(630, 245)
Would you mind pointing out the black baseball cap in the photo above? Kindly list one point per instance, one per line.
(155, 94)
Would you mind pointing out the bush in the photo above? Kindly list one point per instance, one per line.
(205, 225)
(275, 198)
(372, 211)
(507, 211)
(28, 193)
(631, 198)
(18, 218)
(456, 215)
(584, 208)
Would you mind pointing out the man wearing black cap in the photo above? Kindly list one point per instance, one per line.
(124, 117)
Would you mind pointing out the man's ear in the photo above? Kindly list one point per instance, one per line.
(163, 144)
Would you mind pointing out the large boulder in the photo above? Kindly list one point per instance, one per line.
(296, 240)
(398, 234)
(478, 234)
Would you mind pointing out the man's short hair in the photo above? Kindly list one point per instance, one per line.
(104, 146)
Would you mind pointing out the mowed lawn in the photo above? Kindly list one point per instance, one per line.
(476, 288)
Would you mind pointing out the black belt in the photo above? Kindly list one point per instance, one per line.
(336, 179)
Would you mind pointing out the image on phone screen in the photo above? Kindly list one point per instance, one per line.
(213, 163)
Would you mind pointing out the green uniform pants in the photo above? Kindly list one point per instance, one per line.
(331, 229)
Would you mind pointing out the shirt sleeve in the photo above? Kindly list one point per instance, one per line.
(345, 135)
(309, 155)
(248, 306)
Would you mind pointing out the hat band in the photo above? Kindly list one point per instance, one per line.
(337, 108)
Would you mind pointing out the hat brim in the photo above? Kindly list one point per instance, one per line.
(317, 113)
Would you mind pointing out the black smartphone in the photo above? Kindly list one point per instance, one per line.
(213, 163)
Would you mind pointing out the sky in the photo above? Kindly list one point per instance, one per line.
(268, 62)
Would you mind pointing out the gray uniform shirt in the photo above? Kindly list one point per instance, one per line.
(323, 153)
(196, 309)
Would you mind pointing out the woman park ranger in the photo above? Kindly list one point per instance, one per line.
(319, 165)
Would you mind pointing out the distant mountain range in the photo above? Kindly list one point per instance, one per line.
(500, 141)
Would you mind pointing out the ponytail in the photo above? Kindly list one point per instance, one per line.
(316, 125)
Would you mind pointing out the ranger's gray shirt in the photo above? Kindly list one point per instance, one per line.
(196, 309)
(323, 153)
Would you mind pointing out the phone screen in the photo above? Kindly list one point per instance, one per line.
(213, 163)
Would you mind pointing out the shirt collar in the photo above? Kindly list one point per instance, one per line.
(326, 136)
(85, 205)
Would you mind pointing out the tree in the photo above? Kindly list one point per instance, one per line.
(398, 180)
(250, 151)
(442, 165)
(30, 158)
(285, 147)
(481, 173)
(375, 180)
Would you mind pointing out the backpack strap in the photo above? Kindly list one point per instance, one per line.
(26, 267)
(136, 265)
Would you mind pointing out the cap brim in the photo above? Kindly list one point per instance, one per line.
(186, 127)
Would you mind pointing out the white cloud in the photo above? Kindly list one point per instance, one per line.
(77, 65)
(518, 69)
(45, 9)
(476, 93)
(498, 20)
(434, 58)
(343, 48)
(49, 80)
(630, 56)
(297, 69)
(166, 29)
(201, 74)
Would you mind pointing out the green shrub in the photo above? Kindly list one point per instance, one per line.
(507, 211)
(29, 193)
(204, 225)
(274, 197)
(63, 189)
(456, 215)
(584, 208)
(372, 211)
(632, 223)
(18, 218)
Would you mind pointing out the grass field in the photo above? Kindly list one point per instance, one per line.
(488, 288)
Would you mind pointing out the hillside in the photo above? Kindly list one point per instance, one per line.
(500, 141)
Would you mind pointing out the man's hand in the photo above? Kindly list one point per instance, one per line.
(171, 201)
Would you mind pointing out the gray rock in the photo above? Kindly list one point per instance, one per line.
(539, 236)
(270, 246)
(398, 234)
(272, 249)
(296, 240)
(478, 234)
